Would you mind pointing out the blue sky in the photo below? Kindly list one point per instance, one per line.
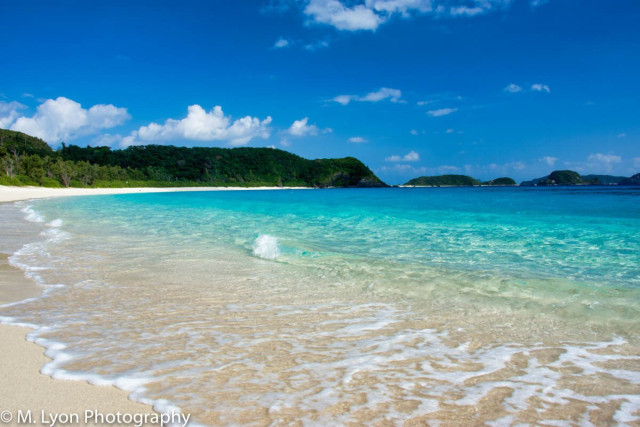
(411, 87)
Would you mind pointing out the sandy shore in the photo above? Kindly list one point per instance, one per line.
(23, 387)
(12, 194)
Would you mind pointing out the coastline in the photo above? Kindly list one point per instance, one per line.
(14, 194)
(24, 386)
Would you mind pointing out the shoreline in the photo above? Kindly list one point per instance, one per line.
(25, 387)
(14, 194)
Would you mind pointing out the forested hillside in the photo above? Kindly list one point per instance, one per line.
(25, 160)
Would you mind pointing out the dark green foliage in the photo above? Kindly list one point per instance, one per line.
(444, 180)
(565, 177)
(29, 159)
(604, 179)
(634, 180)
(501, 182)
(18, 143)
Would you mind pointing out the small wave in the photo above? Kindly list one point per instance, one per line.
(56, 223)
(266, 246)
(31, 215)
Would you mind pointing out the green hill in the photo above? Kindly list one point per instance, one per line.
(444, 180)
(568, 177)
(25, 160)
(505, 181)
(634, 180)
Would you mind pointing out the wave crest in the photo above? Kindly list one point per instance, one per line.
(266, 246)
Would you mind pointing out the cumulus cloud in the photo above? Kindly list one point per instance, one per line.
(370, 14)
(411, 156)
(538, 87)
(9, 112)
(301, 128)
(550, 161)
(383, 93)
(64, 119)
(342, 17)
(513, 88)
(281, 42)
(441, 112)
(357, 140)
(200, 125)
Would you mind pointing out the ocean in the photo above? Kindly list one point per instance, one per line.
(393, 306)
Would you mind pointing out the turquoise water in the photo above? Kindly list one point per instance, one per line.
(338, 306)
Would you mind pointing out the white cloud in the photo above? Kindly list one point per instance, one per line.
(321, 44)
(550, 161)
(450, 131)
(370, 14)
(602, 162)
(413, 132)
(63, 119)
(622, 135)
(421, 103)
(400, 6)
(281, 42)
(336, 14)
(411, 156)
(513, 88)
(343, 99)
(383, 93)
(9, 111)
(200, 125)
(636, 162)
(441, 112)
(538, 87)
(301, 128)
(357, 140)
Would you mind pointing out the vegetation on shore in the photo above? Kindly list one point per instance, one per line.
(568, 177)
(26, 160)
(456, 181)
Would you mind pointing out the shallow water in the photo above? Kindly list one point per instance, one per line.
(378, 306)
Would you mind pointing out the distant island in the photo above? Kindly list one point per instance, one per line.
(568, 177)
(456, 181)
(560, 177)
(27, 160)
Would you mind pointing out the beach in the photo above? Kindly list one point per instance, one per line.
(24, 387)
(12, 194)
(356, 306)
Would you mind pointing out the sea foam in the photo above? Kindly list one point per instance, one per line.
(266, 246)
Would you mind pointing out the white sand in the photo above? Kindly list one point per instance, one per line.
(12, 194)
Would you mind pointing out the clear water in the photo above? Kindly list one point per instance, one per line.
(373, 306)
